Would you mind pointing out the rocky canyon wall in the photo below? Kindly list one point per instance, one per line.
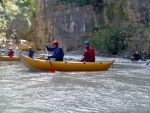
(139, 15)
(67, 24)
(72, 25)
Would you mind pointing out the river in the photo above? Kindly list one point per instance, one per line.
(124, 88)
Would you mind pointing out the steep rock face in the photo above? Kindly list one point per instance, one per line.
(139, 10)
(71, 25)
(20, 29)
(67, 24)
(139, 16)
(136, 27)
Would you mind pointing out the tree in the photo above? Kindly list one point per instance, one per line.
(11, 10)
(106, 39)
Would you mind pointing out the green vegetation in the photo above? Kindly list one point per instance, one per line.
(11, 10)
(110, 12)
(2, 1)
(26, 12)
(8, 11)
(122, 10)
(146, 25)
(106, 39)
(117, 10)
(27, 7)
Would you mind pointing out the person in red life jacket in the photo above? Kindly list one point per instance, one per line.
(58, 52)
(89, 53)
(11, 52)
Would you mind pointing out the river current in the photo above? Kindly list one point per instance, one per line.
(123, 88)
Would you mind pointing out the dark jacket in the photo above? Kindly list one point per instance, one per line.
(58, 53)
(137, 56)
(31, 53)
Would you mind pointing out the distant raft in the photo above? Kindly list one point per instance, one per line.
(8, 58)
(15, 58)
(39, 64)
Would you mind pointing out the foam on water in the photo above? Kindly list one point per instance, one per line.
(123, 88)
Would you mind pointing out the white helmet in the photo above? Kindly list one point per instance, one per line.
(136, 52)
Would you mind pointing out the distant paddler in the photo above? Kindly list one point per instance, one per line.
(31, 52)
(137, 56)
(11, 52)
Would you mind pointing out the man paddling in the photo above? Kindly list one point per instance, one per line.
(58, 52)
(136, 56)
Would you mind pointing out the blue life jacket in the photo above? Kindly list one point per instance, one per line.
(58, 53)
(31, 53)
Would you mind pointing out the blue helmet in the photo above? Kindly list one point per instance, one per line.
(87, 43)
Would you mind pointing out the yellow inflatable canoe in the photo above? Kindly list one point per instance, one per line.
(14, 58)
(38, 64)
(8, 58)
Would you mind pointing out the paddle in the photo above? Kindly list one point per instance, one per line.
(52, 68)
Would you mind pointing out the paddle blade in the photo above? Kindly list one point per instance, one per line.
(52, 70)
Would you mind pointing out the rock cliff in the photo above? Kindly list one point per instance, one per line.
(67, 24)
(139, 15)
(72, 25)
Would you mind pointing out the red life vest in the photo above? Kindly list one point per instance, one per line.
(89, 54)
(11, 53)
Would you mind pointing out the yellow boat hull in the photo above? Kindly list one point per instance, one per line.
(8, 58)
(14, 58)
(38, 64)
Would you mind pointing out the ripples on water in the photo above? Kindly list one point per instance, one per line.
(124, 88)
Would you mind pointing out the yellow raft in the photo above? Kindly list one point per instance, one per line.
(38, 64)
(14, 58)
(8, 58)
